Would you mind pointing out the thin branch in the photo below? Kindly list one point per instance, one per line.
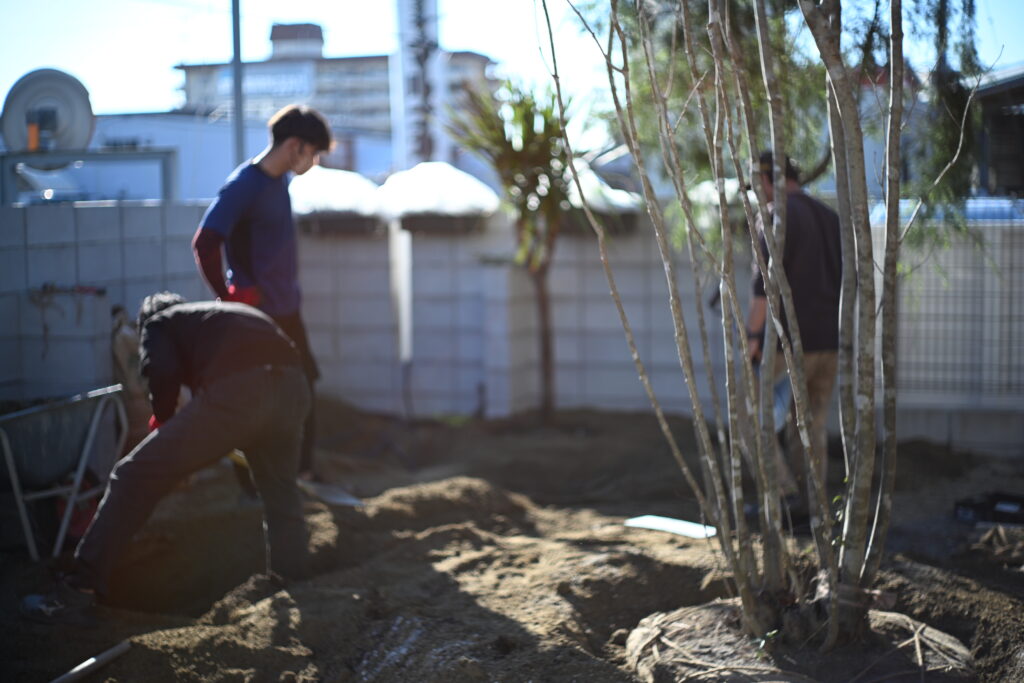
(952, 162)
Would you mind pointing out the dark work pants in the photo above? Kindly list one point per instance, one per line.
(293, 326)
(261, 412)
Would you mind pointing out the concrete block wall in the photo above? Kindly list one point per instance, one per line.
(511, 356)
(595, 368)
(446, 348)
(475, 328)
(127, 250)
(475, 333)
(64, 343)
(456, 301)
(593, 359)
(991, 431)
(476, 348)
(131, 249)
(12, 285)
(353, 329)
(350, 319)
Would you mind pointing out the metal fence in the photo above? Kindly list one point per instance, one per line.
(961, 319)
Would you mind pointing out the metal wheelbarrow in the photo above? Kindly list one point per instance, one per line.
(47, 445)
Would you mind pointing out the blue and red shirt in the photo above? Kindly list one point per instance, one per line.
(253, 213)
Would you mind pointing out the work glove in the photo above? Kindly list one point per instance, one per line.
(244, 295)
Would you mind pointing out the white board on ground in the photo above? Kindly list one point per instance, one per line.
(674, 526)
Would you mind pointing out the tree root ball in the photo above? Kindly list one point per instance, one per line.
(706, 643)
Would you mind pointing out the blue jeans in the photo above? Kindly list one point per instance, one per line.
(259, 411)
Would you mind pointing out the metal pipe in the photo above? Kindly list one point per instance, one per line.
(236, 67)
(90, 665)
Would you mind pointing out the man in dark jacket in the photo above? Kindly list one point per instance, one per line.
(249, 392)
(812, 260)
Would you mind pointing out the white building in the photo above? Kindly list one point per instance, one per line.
(205, 154)
(352, 92)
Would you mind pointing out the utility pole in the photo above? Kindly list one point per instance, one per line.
(238, 117)
(418, 99)
(419, 91)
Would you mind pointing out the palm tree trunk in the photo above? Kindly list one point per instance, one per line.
(545, 341)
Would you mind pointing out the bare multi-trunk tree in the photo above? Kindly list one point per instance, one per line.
(849, 531)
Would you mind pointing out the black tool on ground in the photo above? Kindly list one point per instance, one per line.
(994, 507)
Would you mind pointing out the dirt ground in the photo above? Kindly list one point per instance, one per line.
(487, 551)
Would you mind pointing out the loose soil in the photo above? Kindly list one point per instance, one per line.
(489, 551)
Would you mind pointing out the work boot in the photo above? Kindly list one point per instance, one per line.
(65, 604)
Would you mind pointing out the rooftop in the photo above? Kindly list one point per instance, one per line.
(1001, 80)
(458, 53)
(296, 32)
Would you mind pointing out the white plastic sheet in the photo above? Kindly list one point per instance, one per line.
(673, 526)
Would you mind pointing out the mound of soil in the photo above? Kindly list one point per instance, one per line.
(485, 551)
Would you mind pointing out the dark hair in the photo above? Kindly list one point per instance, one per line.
(154, 303)
(792, 171)
(300, 121)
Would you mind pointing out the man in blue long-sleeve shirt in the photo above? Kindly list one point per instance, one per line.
(251, 222)
(249, 392)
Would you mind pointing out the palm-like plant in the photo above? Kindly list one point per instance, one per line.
(520, 136)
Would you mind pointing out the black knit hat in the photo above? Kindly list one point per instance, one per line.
(155, 303)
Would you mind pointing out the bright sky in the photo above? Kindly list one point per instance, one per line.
(124, 51)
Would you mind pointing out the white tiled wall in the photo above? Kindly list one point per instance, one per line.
(475, 344)
(475, 329)
(349, 317)
(59, 343)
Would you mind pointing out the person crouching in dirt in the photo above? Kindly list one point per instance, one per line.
(249, 392)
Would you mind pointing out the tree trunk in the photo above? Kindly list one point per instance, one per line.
(883, 511)
(539, 277)
(848, 292)
(852, 616)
